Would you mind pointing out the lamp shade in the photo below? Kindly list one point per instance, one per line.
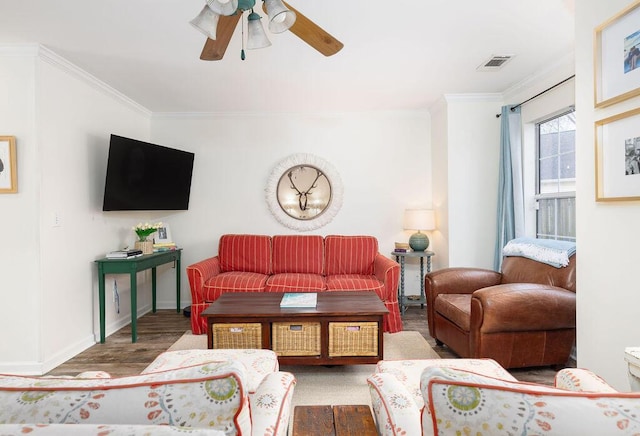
(223, 7)
(206, 22)
(256, 37)
(419, 219)
(280, 18)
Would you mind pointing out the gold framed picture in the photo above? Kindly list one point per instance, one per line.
(618, 157)
(8, 165)
(617, 57)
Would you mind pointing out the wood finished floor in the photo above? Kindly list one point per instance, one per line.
(157, 331)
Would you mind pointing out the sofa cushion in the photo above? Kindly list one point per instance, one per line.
(456, 308)
(210, 395)
(236, 281)
(295, 282)
(464, 402)
(356, 282)
(298, 254)
(247, 253)
(350, 254)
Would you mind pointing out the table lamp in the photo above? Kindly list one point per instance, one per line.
(419, 219)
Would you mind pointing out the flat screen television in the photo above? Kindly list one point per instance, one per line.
(144, 176)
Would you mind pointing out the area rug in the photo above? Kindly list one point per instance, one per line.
(342, 384)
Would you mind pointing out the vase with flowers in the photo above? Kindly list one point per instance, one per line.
(143, 231)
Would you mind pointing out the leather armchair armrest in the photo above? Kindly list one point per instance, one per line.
(387, 271)
(522, 307)
(455, 281)
(460, 280)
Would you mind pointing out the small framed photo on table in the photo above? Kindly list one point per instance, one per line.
(8, 165)
(617, 57)
(163, 235)
(618, 157)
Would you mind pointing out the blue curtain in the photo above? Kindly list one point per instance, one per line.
(510, 216)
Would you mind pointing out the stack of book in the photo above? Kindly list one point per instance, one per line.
(124, 254)
(164, 246)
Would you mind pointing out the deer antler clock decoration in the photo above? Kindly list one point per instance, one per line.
(304, 192)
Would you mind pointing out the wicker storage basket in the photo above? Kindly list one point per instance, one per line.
(353, 339)
(296, 339)
(245, 335)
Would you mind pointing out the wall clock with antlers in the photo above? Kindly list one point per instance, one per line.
(304, 192)
(219, 19)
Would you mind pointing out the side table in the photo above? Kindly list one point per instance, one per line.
(132, 266)
(404, 300)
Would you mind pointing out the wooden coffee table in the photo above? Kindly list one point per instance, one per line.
(345, 327)
(333, 421)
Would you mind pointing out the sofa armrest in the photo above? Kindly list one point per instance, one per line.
(581, 380)
(200, 272)
(387, 271)
(394, 408)
(520, 306)
(271, 404)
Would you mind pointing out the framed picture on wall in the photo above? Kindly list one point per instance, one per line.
(618, 157)
(8, 165)
(617, 57)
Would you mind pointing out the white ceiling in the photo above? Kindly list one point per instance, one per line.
(401, 59)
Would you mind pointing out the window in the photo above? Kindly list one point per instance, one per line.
(556, 178)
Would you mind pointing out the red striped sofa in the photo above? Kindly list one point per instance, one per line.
(294, 263)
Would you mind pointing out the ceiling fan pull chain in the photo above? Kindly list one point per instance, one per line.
(242, 56)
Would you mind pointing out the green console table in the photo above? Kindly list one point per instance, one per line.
(132, 266)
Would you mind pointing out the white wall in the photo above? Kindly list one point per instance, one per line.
(62, 119)
(19, 214)
(608, 297)
(467, 144)
(382, 159)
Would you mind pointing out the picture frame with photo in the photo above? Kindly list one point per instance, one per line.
(618, 157)
(163, 235)
(617, 57)
(8, 165)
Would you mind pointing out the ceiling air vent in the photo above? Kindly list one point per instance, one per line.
(494, 63)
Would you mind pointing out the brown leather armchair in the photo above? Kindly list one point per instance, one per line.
(524, 316)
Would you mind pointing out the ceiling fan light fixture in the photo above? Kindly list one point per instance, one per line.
(256, 36)
(280, 18)
(223, 7)
(206, 22)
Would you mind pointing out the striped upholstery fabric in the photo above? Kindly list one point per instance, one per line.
(356, 282)
(291, 263)
(298, 254)
(197, 274)
(248, 253)
(234, 281)
(350, 254)
(295, 282)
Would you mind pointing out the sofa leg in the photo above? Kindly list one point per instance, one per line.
(439, 343)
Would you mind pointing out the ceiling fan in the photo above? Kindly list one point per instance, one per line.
(219, 18)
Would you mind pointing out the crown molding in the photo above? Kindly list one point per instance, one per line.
(49, 56)
(564, 67)
(473, 97)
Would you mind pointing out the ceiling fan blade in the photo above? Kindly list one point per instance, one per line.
(312, 34)
(214, 49)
